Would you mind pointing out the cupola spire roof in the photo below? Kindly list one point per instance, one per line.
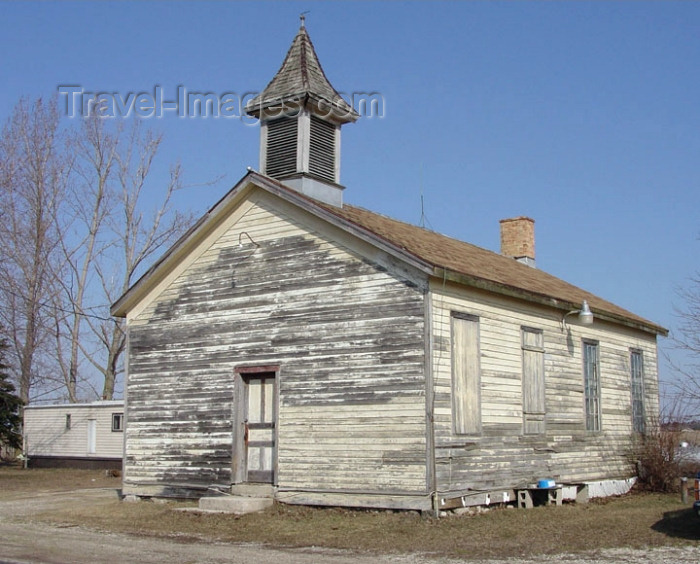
(301, 81)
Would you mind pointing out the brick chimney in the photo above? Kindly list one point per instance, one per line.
(518, 239)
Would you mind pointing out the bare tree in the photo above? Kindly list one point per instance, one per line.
(32, 189)
(74, 234)
(136, 236)
(687, 341)
(83, 238)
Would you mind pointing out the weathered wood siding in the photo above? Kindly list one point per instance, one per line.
(502, 455)
(46, 435)
(345, 330)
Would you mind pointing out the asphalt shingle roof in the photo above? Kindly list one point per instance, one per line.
(482, 267)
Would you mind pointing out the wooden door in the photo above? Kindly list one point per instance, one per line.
(259, 433)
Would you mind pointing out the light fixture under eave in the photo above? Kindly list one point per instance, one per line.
(585, 315)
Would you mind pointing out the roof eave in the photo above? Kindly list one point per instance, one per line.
(542, 299)
(125, 302)
(289, 104)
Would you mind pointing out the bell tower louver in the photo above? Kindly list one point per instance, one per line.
(300, 119)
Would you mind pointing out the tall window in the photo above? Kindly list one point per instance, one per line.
(591, 384)
(466, 377)
(637, 374)
(533, 381)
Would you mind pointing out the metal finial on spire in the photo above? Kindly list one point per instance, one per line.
(302, 18)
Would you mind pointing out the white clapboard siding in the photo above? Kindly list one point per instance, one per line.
(503, 454)
(46, 433)
(344, 326)
(346, 332)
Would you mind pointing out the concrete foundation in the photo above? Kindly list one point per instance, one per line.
(235, 504)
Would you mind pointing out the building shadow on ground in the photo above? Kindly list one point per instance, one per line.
(681, 524)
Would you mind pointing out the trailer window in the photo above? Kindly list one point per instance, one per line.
(117, 422)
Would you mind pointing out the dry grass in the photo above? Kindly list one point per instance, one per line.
(16, 481)
(633, 521)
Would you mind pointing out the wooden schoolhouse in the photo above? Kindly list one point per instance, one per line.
(299, 347)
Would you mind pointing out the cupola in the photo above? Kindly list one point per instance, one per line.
(300, 117)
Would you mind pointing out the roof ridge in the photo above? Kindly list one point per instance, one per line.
(302, 66)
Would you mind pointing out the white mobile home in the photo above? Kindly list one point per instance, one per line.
(78, 435)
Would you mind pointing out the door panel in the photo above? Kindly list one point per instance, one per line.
(258, 423)
(92, 436)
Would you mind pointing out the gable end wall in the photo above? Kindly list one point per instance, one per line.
(346, 330)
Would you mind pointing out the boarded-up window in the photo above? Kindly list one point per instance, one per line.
(591, 385)
(533, 381)
(466, 378)
(637, 374)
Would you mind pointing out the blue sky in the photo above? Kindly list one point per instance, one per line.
(584, 116)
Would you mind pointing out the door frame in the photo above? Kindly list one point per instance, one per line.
(239, 461)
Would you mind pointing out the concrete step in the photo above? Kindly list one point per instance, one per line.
(235, 504)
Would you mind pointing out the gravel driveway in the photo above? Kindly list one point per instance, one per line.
(23, 539)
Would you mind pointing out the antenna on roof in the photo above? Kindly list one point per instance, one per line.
(302, 18)
(422, 206)
(423, 217)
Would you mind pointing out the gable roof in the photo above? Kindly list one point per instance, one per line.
(301, 79)
(434, 254)
(464, 263)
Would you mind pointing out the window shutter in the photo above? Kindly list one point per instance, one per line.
(466, 377)
(533, 381)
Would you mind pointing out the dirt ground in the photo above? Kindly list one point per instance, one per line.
(44, 521)
(23, 539)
